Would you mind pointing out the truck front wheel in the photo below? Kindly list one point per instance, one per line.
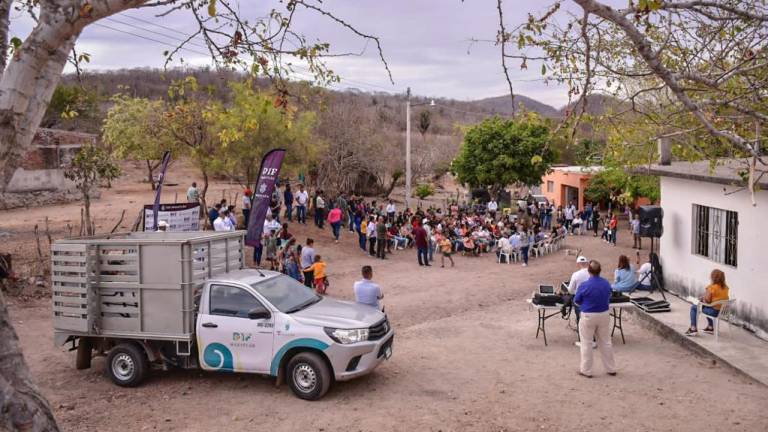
(127, 365)
(308, 376)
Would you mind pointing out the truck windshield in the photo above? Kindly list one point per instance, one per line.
(286, 294)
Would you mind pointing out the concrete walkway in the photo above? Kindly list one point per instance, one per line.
(736, 348)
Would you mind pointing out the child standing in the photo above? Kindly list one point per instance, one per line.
(446, 248)
(318, 269)
(271, 248)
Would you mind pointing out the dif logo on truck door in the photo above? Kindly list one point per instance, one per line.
(217, 356)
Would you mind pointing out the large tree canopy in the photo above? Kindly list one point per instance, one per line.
(695, 71)
(499, 152)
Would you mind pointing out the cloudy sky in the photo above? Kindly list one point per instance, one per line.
(426, 42)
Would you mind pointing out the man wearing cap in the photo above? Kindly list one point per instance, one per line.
(577, 278)
(162, 226)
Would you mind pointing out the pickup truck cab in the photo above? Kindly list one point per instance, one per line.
(267, 323)
(184, 300)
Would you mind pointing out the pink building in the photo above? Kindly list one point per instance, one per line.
(567, 183)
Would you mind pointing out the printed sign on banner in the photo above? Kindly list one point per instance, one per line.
(180, 217)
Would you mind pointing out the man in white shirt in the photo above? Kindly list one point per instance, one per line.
(493, 206)
(366, 291)
(644, 274)
(577, 278)
(222, 223)
(391, 210)
(270, 224)
(302, 197)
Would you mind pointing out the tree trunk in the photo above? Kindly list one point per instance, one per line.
(203, 203)
(22, 407)
(395, 177)
(151, 174)
(87, 210)
(35, 69)
(5, 23)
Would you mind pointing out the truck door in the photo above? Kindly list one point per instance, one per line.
(235, 332)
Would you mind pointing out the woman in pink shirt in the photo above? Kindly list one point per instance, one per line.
(334, 218)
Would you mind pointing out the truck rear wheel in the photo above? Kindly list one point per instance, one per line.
(127, 365)
(308, 376)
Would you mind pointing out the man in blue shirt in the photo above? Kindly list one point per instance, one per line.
(367, 292)
(594, 298)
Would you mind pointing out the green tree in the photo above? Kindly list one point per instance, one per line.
(499, 152)
(90, 165)
(190, 119)
(424, 190)
(253, 125)
(614, 183)
(135, 129)
(70, 102)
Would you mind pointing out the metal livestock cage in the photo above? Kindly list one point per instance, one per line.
(138, 284)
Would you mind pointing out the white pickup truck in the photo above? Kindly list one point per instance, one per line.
(163, 300)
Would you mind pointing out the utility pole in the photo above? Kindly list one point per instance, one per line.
(408, 149)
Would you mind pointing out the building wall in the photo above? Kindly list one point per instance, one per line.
(688, 274)
(561, 179)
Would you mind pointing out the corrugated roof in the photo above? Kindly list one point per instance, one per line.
(725, 171)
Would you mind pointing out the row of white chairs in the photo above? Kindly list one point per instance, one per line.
(538, 249)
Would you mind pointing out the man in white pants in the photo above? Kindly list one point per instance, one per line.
(594, 298)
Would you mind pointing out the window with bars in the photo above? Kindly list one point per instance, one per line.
(715, 234)
(550, 186)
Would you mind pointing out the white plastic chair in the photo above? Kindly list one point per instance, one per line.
(725, 306)
(504, 251)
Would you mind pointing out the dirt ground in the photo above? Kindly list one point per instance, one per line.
(465, 356)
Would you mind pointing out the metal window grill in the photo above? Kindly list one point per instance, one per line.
(715, 234)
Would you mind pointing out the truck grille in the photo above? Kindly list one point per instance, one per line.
(378, 330)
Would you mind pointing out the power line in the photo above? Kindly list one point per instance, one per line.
(150, 39)
(135, 27)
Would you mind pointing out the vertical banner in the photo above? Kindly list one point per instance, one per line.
(156, 207)
(262, 194)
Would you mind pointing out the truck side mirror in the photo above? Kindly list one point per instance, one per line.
(259, 313)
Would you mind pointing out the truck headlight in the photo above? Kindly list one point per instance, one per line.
(347, 336)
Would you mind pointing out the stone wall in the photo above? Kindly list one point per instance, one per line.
(39, 179)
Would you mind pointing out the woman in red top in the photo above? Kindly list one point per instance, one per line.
(612, 226)
(334, 218)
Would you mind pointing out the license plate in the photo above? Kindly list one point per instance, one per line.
(388, 352)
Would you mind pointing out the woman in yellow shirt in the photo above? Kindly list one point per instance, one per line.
(715, 292)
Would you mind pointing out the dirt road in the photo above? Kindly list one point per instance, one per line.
(465, 359)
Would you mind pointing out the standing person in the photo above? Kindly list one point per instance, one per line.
(222, 223)
(577, 278)
(320, 210)
(366, 291)
(360, 225)
(318, 271)
(593, 298)
(246, 205)
(213, 214)
(370, 230)
(288, 200)
(525, 245)
(391, 211)
(422, 244)
(302, 197)
(492, 206)
(716, 291)
(613, 225)
(570, 214)
(637, 241)
(430, 239)
(334, 218)
(381, 238)
(595, 220)
(193, 196)
(446, 248)
(307, 259)
(291, 264)
(342, 204)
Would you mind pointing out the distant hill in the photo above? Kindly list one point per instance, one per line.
(597, 104)
(503, 105)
